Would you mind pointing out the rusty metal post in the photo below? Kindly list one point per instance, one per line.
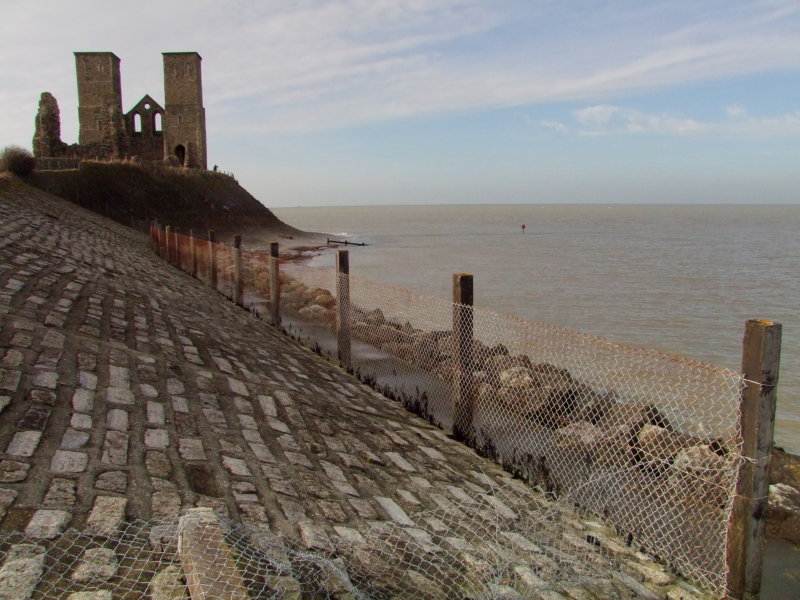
(463, 388)
(343, 341)
(274, 284)
(212, 259)
(746, 529)
(238, 282)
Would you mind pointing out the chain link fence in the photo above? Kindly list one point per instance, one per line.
(648, 442)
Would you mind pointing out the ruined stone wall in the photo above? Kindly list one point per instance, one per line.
(145, 126)
(147, 132)
(47, 135)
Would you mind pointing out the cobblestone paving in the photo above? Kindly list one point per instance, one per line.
(129, 390)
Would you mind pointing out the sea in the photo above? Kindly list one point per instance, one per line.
(678, 278)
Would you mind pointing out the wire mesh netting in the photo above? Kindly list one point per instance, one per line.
(648, 442)
(492, 543)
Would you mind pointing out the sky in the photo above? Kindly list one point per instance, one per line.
(348, 102)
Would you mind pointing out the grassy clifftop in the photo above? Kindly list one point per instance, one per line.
(183, 198)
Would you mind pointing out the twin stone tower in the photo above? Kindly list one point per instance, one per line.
(174, 133)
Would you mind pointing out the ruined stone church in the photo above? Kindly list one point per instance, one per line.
(174, 133)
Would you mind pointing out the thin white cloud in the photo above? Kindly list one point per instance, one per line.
(736, 111)
(605, 119)
(556, 126)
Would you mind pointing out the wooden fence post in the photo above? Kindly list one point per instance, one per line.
(343, 309)
(161, 243)
(212, 259)
(177, 244)
(238, 282)
(462, 348)
(168, 243)
(274, 284)
(745, 552)
(192, 255)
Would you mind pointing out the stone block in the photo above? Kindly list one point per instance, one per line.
(47, 523)
(67, 461)
(156, 438)
(12, 471)
(236, 466)
(97, 564)
(24, 443)
(191, 449)
(155, 413)
(74, 439)
(21, 571)
(83, 400)
(115, 448)
(107, 515)
(117, 419)
(119, 396)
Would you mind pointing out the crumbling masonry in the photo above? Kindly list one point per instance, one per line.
(175, 133)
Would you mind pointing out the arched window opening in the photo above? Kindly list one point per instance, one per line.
(137, 123)
(180, 152)
(157, 124)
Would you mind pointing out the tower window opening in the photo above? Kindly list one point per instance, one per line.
(180, 153)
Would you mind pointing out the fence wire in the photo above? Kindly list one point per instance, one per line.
(491, 543)
(648, 442)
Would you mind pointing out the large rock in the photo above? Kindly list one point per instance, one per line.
(324, 298)
(316, 312)
(377, 335)
(656, 446)
(526, 400)
(502, 362)
(783, 512)
(594, 407)
(700, 476)
(375, 317)
(785, 468)
(518, 377)
(625, 421)
(581, 435)
(426, 350)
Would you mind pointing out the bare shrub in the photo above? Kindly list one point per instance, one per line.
(17, 160)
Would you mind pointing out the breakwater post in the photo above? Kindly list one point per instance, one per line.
(238, 283)
(192, 255)
(212, 259)
(746, 528)
(462, 357)
(168, 240)
(153, 238)
(343, 309)
(274, 284)
(176, 243)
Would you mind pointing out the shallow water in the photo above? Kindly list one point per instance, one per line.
(681, 279)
